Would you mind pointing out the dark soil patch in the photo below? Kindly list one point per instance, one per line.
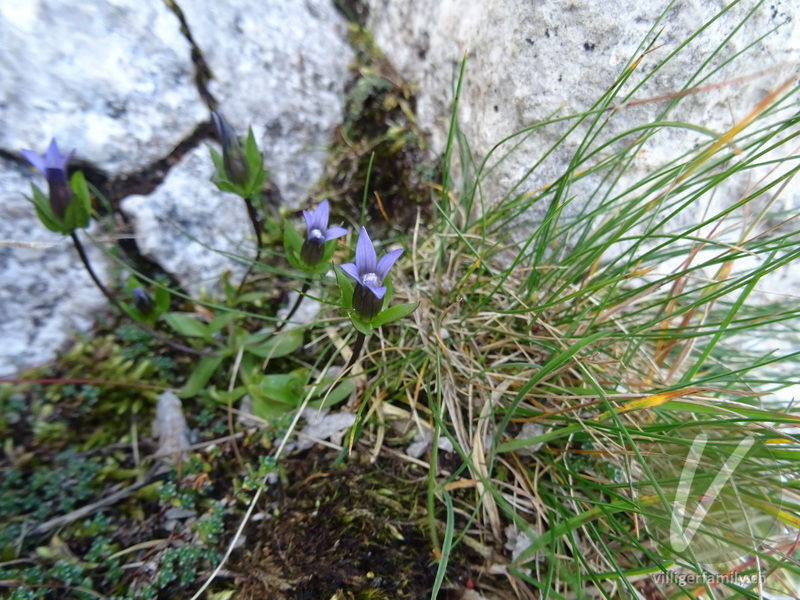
(348, 531)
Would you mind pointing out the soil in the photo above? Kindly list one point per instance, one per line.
(354, 530)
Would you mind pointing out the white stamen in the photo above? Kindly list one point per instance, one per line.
(370, 280)
(315, 235)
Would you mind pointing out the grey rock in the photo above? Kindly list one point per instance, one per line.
(306, 313)
(281, 66)
(322, 425)
(112, 79)
(194, 231)
(46, 293)
(528, 61)
(530, 430)
(169, 426)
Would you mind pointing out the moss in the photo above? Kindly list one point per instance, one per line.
(379, 142)
(352, 530)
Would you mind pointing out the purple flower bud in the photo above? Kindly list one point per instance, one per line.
(237, 170)
(317, 233)
(144, 301)
(54, 168)
(369, 273)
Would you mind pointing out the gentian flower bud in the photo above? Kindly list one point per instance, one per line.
(54, 168)
(369, 273)
(144, 301)
(234, 160)
(317, 233)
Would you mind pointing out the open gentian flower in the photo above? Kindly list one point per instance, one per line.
(369, 273)
(317, 233)
(233, 158)
(54, 168)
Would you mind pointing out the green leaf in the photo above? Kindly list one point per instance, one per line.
(250, 297)
(389, 293)
(294, 260)
(136, 314)
(220, 321)
(41, 203)
(226, 397)
(286, 388)
(281, 344)
(230, 292)
(255, 160)
(346, 287)
(201, 375)
(162, 298)
(186, 325)
(319, 270)
(252, 339)
(267, 409)
(340, 393)
(79, 210)
(360, 325)
(394, 313)
(277, 394)
(292, 240)
(131, 284)
(216, 158)
(226, 186)
(251, 151)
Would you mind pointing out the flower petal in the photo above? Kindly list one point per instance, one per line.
(351, 270)
(309, 221)
(36, 160)
(386, 262)
(366, 260)
(379, 292)
(53, 157)
(321, 216)
(335, 232)
(216, 116)
(224, 131)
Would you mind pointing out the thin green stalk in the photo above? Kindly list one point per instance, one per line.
(303, 292)
(162, 338)
(359, 345)
(258, 230)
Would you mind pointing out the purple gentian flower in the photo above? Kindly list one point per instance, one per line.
(317, 233)
(369, 273)
(54, 168)
(237, 169)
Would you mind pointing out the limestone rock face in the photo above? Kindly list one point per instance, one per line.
(530, 61)
(280, 66)
(115, 80)
(111, 79)
(45, 293)
(193, 232)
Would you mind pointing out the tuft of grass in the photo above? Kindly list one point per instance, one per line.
(579, 362)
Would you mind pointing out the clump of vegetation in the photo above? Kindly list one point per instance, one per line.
(380, 154)
(579, 412)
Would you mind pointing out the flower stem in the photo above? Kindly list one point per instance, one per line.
(258, 223)
(303, 292)
(359, 345)
(258, 229)
(85, 260)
